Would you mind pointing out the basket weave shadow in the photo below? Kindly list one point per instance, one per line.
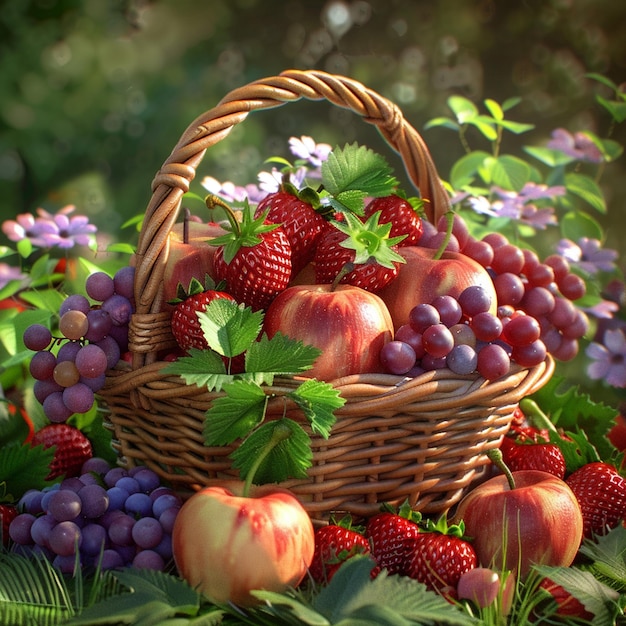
(422, 439)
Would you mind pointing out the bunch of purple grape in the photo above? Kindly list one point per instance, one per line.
(68, 370)
(536, 312)
(106, 517)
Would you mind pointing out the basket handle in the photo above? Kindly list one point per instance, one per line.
(176, 174)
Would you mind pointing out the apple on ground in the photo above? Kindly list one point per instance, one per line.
(189, 259)
(537, 522)
(348, 324)
(422, 278)
(226, 544)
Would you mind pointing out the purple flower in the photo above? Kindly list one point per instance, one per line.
(230, 192)
(9, 273)
(306, 148)
(579, 146)
(609, 358)
(588, 255)
(50, 230)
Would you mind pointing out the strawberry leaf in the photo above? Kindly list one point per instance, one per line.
(288, 459)
(201, 367)
(267, 358)
(228, 327)
(234, 415)
(357, 168)
(318, 400)
(24, 467)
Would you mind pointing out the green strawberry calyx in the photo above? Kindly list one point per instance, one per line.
(244, 233)
(370, 240)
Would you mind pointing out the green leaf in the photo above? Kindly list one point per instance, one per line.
(517, 128)
(353, 200)
(279, 355)
(318, 401)
(485, 125)
(587, 189)
(46, 299)
(596, 597)
(281, 604)
(444, 122)
(290, 458)
(462, 108)
(495, 109)
(23, 467)
(608, 557)
(466, 168)
(616, 109)
(228, 327)
(575, 224)
(235, 414)
(201, 367)
(510, 103)
(357, 168)
(553, 158)
(605, 80)
(25, 247)
(510, 173)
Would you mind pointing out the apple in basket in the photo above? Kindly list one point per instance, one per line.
(190, 255)
(347, 323)
(423, 277)
(226, 544)
(517, 519)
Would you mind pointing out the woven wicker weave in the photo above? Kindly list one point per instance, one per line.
(421, 439)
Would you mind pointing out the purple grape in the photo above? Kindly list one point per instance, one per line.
(117, 497)
(96, 465)
(78, 398)
(421, 316)
(94, 539)
(148, 479)
(164, 549)
(75, 302)
(124, 281)
(462, 359)
(474, 299)
(111, 349)
(73, 483)
(30, 502)
(65, 537)
(20, 528)
(397, 357)
(120, 334)
(138, 504)
(37, 337)
(119, 308)
(166, 501)
(449, 310)
(100, 323)
(121, 530)
(113, 475)
(493, 362)
(95, 384)
(42, 365)
(168, 517)
(129, 484)
(99, 286)
(438, 340)
(55, 409)
(65, 563)
(91, 361)
(148, 559)
(147, 532)
(64, 505)
(41, 528)
(413, 338)
(486, 327)
(95, 500)
(43, 388)
(111, 559)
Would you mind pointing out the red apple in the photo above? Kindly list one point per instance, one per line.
(189, 259)
(226, 544)
(422, 278)
(537, 522)
(348, 324)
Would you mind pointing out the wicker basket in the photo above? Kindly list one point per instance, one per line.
(421, 439)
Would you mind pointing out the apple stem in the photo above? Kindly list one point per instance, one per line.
(495, 456)
(280, 432)
(446, 240)
(538, 418)
(346, 269)
(213, 201)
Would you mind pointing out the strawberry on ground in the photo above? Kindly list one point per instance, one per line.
(388, 533)
(519, 454)
(362, 252)
(73, 448)
(300, 221)
(567, 604)
(601, 494)
(185, 323)
(7, 513)
(439, 556)
(253, 259)
(401, 214)
(334, 544)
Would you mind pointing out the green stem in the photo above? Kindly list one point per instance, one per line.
(279, 433)
(495, 456)
(213, 201)
(346, 269)
(446, 240)
(538, 418)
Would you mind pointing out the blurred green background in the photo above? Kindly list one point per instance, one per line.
(93, 94)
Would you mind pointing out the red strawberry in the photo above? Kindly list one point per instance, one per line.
(254, 259)
(72, 448)
(404, 218)
(388, 534)
(7, 513)
(185, 323)
(363, 251)
(567, 604)
(518, 455)
(299, 220)
(334, 544)
(438, 558)
(601, 494)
